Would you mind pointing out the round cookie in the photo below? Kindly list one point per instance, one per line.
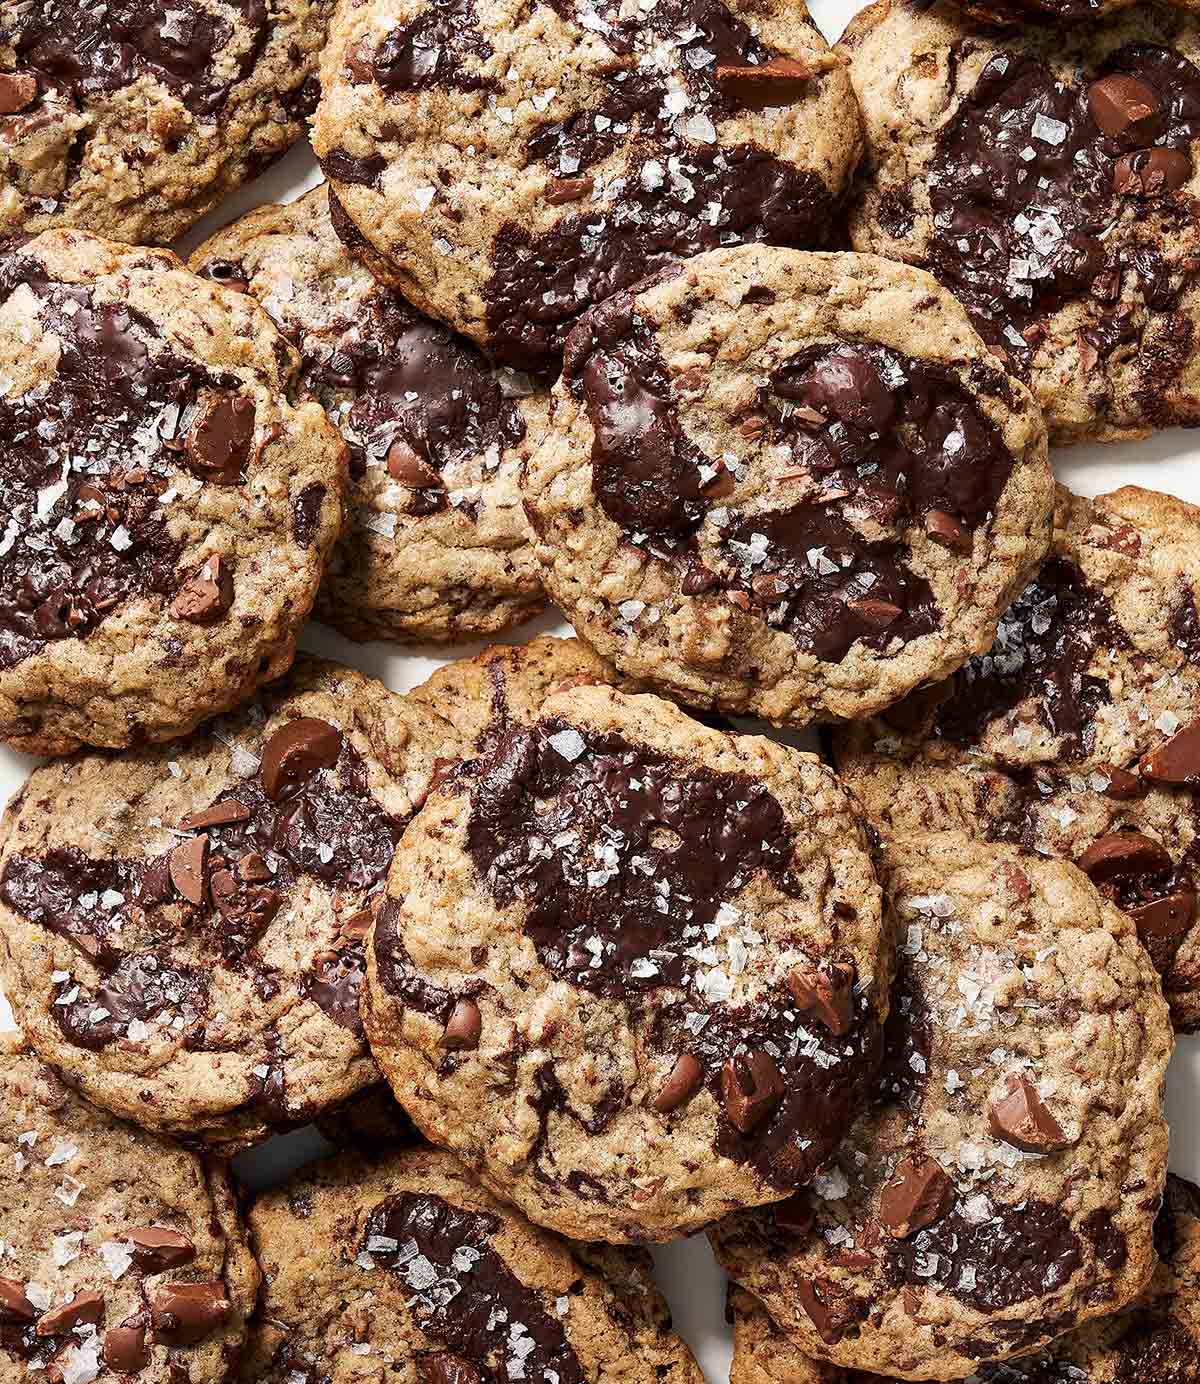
(789, 484)
(166, 501)
(1048, 177)
(121, 1254)
(507, 165)
(133, 118)
(1004, 1187)
(1154, 1342)
(406, 1265)
(1076, 734)
(437, 547)
(183, 927)
(631, 970)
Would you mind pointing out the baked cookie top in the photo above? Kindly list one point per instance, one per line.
(631, 970)
(790, 484)
(1004, 1187)
(407, 1264)
(183, 926)
(122, 1253)
(133, 117)
(166, 500)
(437, 547)
(1049, 179)
(510, 164)
(1077, 733)
(1153, 1342)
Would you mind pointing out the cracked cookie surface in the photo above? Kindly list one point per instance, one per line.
(167, 501)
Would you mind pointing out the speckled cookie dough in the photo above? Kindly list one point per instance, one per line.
(1003, 1190)
(406, 1267)
(1048, 177)
(789, 484)
(183, 927)
(631, 970)
(133, 118)
(121, 1254)
(166, 501)
(437, 547)
(509, 164)
(1155, 1342)
(1078, 733)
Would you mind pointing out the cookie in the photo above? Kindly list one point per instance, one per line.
(1049, 179)
(631, 970)
(1154, 1342)
(167, 501)
(1003, 1189)
(133, 119)
(437, 547)
(789, 484)
(1074, 735)
(506, 685)
(183, 927)
(508, 165)
(407, 1267)
(121, 1254)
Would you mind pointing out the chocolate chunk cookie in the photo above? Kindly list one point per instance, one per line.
(121, 1254)
(1004, 1187)
(631, 969)
(510, 164)
(406, 1266)
(789, 484)
(166, 502)
(133, 117)
(1049, 178)
(437, 547)
(1078, 733)
(183, 927)
(1155, 1342)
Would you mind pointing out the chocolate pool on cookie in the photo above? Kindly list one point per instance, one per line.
(790, 484)
(183, 927)
(166, 502)
(437, 547)
(507, 165)
(1004, 1186)
(1049, 179)
(631, 970)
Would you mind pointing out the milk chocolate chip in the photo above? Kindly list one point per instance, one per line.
(464, 1027)
(1119, 783)
(919, 1194)
(220, 814)
(154, 1248)
(1020, 1119)
(84, 1308)
(14, 1305)
(826, 1308)
(218, 442)
(1123, 853)
(777, 82)
(560, 191)
(1151, 172)
(945, 529)
(18, 91)
(187, 863)
(207, 596)
(405, 466)
(1176, 760)
(446, 1369)
(682, 1084)
(184, 1313)
(296, 750)
(125, 1349)
(827, 994)
(1125, 108)
(751, 1088)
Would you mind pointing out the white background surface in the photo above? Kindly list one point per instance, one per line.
(686, 1271)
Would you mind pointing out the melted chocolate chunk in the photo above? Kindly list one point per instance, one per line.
(142, 986)
(335, 986)
(464, 1295)
(88, 51)
(437, 49)
(1014, 1255)
(83, 463)
(1024, 183)
(1043, 646)
(663, 212)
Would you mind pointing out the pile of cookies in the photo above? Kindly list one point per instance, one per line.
(747, 354)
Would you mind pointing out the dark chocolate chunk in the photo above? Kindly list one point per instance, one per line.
(183, 1314)
(685, 1079)
(125, 1349)
(1022, 1120)
(826, 993)
(295, 751)
(155, 1248)
(919, 1194)
(206, 597)
(84, 1309)
(752, 1089)
(1177, 760)
(463, 1027)
(217, 444)
(189, 862)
